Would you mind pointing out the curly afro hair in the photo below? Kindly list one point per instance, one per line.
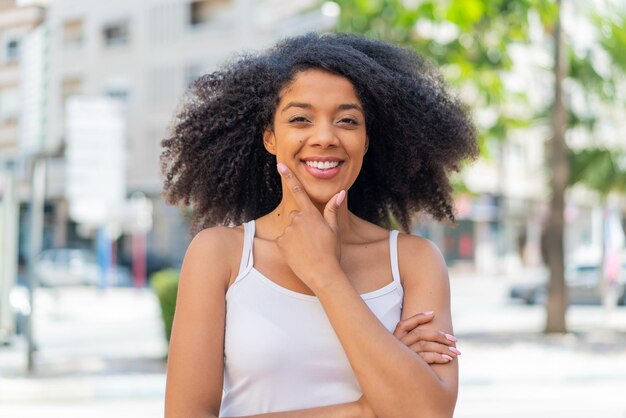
(214, 159)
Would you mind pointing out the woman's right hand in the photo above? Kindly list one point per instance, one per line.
(435, 347)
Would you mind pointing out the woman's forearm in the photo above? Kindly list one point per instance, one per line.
(396, 381)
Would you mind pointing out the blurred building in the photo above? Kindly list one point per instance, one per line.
(500, 216)
(506, 214)
(19, 41)
(145, 53)
(16, 23)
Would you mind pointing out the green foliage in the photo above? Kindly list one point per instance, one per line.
(581, 68)
(614, 37)
(600, 68)
(600, 169)
(165, 284)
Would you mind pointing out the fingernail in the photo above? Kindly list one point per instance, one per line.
(451, 338)
(429, 312)
(281, 167)
(455, 351)
(340, 197)
(447, 357)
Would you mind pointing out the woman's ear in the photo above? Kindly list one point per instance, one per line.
(367, 144)
(269, 141)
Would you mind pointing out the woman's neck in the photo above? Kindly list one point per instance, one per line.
(278, 219)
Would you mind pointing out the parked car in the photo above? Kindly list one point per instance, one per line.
(584, 286)
(75, 267)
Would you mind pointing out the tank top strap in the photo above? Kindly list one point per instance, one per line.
(247, 260)
(393, 253)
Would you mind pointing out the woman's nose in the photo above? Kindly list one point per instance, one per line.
(324, 135)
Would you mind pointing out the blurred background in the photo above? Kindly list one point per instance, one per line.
(89, 252)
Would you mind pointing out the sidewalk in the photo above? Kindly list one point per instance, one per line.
(100, 353)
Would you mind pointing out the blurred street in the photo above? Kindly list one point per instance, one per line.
(101, 354)
(509, 369)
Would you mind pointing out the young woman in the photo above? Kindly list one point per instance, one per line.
(310, 306)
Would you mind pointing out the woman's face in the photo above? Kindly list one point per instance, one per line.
(319, 133)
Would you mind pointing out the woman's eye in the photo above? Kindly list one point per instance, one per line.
(298, 119)
(349, 121)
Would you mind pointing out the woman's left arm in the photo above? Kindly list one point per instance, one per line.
(396, 381)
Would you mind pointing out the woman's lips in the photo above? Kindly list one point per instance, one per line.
(323, 174)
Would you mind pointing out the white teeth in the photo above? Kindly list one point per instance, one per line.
(325, 165)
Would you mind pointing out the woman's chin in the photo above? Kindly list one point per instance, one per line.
(321, 198)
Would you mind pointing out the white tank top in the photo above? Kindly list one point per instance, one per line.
(280, 351)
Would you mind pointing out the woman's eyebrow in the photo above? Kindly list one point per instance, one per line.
(345, 106)
(297, 104)
(349, 106)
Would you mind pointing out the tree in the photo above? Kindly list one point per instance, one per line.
(471, 41)
(558, 160)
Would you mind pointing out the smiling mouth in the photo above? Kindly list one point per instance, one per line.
(323, 165)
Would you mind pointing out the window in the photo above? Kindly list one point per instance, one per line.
(11, 50)
(73, 30)
(116, 34)
(204, 11)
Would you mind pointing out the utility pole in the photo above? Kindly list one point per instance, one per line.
(35, 234)
(8, 247)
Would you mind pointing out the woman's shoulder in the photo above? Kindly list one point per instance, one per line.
(216, 249)
(420, 260)
(416, 242)
(218, 238)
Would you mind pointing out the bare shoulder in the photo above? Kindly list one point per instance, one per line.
(222, 237)
(420, 261)
(214, 250)
(219, 240)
